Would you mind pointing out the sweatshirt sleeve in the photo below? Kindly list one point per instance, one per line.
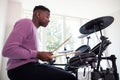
(14, 47)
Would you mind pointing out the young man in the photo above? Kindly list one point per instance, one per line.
(22, 51)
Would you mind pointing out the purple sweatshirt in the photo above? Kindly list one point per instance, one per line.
(21, 45)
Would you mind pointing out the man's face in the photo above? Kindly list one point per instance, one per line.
(44, 18)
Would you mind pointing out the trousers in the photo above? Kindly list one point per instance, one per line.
(38, 71)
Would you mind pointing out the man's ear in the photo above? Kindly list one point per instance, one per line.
(38, 14)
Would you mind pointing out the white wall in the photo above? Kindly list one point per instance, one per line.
(79, 8)
(3, 10)
(13, 13)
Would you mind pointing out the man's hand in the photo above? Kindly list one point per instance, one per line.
(45, 56)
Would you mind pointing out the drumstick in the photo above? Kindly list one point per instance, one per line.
(61, 44)
(54, 56)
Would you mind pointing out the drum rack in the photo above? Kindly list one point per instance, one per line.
(109, 73)
(94, 26)
(98, 73)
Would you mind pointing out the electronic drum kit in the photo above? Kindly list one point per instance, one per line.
(85, 56)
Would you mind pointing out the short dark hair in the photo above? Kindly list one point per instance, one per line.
(41, 7)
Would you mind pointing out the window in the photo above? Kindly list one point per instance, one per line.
(59, 29)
